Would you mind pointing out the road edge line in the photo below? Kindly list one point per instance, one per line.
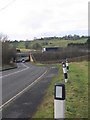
(16, 71)
(25, 89)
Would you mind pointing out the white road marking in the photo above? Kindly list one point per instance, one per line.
(24, 65)
(18, 66)
(16, 71)
(33, 83)
(53, 67)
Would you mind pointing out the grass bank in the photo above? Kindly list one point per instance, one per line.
(76, 93)
(7, 67)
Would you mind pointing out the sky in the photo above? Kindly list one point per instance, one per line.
(26, 19)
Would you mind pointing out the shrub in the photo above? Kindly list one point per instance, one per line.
(68, 52)
(37, 46)
(8, 52)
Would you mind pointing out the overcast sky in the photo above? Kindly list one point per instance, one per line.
(26, 19)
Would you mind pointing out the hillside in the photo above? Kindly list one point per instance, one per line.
(39, 44)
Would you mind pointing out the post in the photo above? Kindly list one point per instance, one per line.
(59, 101)
(31, 59)
(67, 66)
(65, 72)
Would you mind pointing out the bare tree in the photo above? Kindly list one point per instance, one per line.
(8, 52)
(3, 37)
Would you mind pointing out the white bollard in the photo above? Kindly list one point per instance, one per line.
(59, 101)
(67, 65)
(65, 72)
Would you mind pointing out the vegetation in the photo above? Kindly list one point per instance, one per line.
(69, 52)
(36, 44)
(66, 37)
(79, 45)
(26, 44)
(76, 93)
(8, 52)
(68, 48)
(23, 50)
(9, 66)
(63, 43)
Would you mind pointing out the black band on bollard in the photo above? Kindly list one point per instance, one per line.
(65, 74)
(67, 67)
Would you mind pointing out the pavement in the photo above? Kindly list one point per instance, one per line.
(23, 89)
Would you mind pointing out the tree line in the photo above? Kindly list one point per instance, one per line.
(66, 37)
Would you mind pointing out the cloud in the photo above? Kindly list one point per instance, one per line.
(35, 18)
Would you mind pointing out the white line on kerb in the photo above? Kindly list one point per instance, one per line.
(16, 71)
(22, 91)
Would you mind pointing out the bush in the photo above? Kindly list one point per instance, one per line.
(37, 46)
(68, 52)
(8, 52)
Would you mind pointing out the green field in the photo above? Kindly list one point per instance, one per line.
(54, 42)
(76, 93)
(63, 43)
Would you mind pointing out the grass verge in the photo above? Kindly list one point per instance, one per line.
(76, 93)
(7, 67)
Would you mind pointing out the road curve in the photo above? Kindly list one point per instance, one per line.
(16, 80)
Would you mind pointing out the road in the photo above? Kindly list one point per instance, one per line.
(23, 89)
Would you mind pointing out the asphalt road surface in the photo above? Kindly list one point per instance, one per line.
(24, 88)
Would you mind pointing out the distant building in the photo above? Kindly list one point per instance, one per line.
(51, 49)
